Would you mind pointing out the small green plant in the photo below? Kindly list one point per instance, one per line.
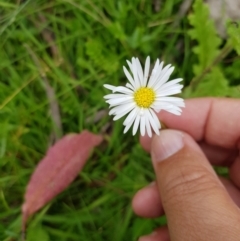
(209, 71)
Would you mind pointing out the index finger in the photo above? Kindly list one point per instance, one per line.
(215, 121)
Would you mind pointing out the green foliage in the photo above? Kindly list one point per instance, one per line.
(213, 84)
(37, 233)
(204, 33)
(101, 56)
(234, 35)
(209, 77)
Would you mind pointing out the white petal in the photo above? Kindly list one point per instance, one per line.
(131, 116)
(163, 78)
(136, 124)
(175, 112)
(153, 123)
(160, 106)
(168, 88)
(155, 77)
(110, 87)
(119, 116)
(127, 127)
(122, 113)
(130, 65)
(173, 100)
(156, 120)
(121, 108)
(157, 110)
(171, 83)
(130, 86)
(122, 89)
(169, 92)
(156, 66)
(113, 96)
(139, 71)
(135, 74)
(175, 108)
(131, 119)
(129, 77)
(119, 101)
(165, 105)
(154, 71)
(142, 125)
(146, 71)
(148, 127)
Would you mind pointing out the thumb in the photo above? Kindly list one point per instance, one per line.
(196, 204)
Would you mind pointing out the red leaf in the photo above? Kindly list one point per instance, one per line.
(57, 170)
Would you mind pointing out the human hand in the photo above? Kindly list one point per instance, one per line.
(199, 205)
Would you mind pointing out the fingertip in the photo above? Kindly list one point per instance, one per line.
(160, 234)
(147, 203)
(192, 120)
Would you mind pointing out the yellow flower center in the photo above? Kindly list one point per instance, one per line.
(144, 97)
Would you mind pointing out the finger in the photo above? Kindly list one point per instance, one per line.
(219, 155)
(146, 142)
(160, 234)
(147, 201)
(232, 190)
(190, 190)
(214, 120)
(235, 172)
(215, 154)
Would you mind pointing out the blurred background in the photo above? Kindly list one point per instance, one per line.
(55, 57)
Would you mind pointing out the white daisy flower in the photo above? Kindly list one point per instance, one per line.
(145, 95)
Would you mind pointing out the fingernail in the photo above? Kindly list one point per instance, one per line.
(166, 144)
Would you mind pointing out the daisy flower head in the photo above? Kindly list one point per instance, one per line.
(145, 95)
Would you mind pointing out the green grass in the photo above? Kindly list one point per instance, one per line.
(79, 46)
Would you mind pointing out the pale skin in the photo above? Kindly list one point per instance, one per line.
(199, 205)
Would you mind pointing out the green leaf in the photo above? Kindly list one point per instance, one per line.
(233, 30)
(101, 57)
(234, 91)
(117, 31)
(207, 50)
(232, 72)
(204, 33)
(37, 233)
(213, 84)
